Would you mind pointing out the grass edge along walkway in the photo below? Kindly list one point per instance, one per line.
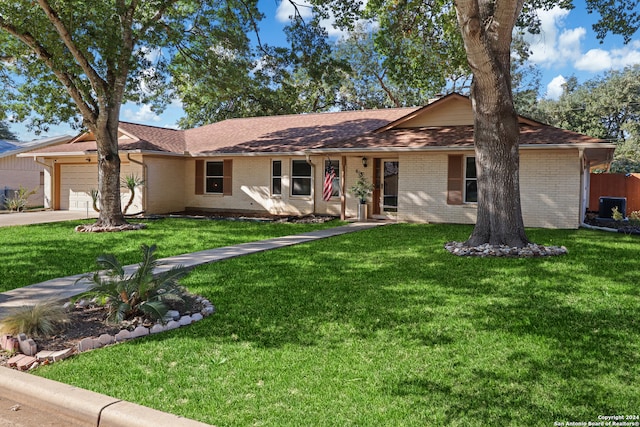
(67, 287)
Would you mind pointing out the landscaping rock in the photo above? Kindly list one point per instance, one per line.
(106, 339)
(157, 328)
(172, 324)
(140, 331)
(185, 320)
(123, 335)
(87, 344)
(486, 250)
(27, 345)
(172, 315)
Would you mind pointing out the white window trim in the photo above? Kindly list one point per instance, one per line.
(206, 177)
(294, 177)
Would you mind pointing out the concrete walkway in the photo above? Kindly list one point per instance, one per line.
(64, 405)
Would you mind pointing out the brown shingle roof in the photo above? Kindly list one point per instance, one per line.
(365, 129)
(455, 136)
(289, 133)
(155, 138)
(145, 138)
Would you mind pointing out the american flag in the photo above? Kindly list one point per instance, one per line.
(327, 188)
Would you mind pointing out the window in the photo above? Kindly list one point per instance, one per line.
(335, 187)
(470, 181)
(462, 181)
(300, 178)
(213, 177)
(276, 178)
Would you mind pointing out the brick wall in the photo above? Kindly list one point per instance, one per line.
(549, 182)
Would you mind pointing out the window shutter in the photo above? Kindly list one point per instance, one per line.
(227, 168)
(199, 176)
(455, 180)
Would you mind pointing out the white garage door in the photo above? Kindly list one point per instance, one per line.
(76, 184)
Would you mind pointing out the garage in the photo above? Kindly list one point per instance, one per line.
(76, 183)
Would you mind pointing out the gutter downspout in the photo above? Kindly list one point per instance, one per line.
(584, 179)
(145, 173)
(343, 182)
(313, 180)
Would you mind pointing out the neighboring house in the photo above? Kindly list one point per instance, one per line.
(19, 171)
(421, 161)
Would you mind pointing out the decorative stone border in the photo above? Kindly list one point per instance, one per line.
(486, 250)
(28, 356)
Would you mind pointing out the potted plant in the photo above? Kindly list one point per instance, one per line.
(361, 190)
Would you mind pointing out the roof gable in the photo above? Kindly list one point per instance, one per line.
(450, 110)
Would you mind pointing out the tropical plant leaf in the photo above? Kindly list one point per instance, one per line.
(156, 309)
(111, 264)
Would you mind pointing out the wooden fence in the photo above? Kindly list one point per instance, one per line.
(615, 185)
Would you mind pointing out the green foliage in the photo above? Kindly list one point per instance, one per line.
(236, 78)
(362, 188)
(142, 292)
(5, 133)
(605, 107)
(634, 218)
(367, 83)
(20, 199)
(42, 319)
(616, 214)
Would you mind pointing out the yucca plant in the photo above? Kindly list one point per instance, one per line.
(138, 294)
(41, 319)
(131, 182)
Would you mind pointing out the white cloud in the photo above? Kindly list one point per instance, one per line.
(598, 60)
(286, 10)
(554, 88)
(142, 115)
(555, 46)
(594, 60)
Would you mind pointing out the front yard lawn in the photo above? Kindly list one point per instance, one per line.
(385, 328)
(35, 253)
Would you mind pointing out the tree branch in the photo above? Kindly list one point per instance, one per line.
(87, 109)
(96, 81)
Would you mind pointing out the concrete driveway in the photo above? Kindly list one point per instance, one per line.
(40, 217)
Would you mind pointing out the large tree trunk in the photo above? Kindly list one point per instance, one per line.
(106, 133)
(486, 29)
(499, 220)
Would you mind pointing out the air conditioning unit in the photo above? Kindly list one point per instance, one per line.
(608, 203)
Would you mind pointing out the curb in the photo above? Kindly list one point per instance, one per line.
(83, 406)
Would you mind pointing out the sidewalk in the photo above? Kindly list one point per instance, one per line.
(59, 403)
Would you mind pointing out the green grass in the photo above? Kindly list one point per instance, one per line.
(35, 253)
(385, 328)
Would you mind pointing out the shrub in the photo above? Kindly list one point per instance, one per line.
(139, 294)
(20, 199)
(616, 214)
(42, 319)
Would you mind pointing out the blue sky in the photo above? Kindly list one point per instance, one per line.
(566, 46)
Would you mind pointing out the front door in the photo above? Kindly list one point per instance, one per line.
(389, 193)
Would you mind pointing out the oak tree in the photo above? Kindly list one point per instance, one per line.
(80, 60)
(436, 36)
